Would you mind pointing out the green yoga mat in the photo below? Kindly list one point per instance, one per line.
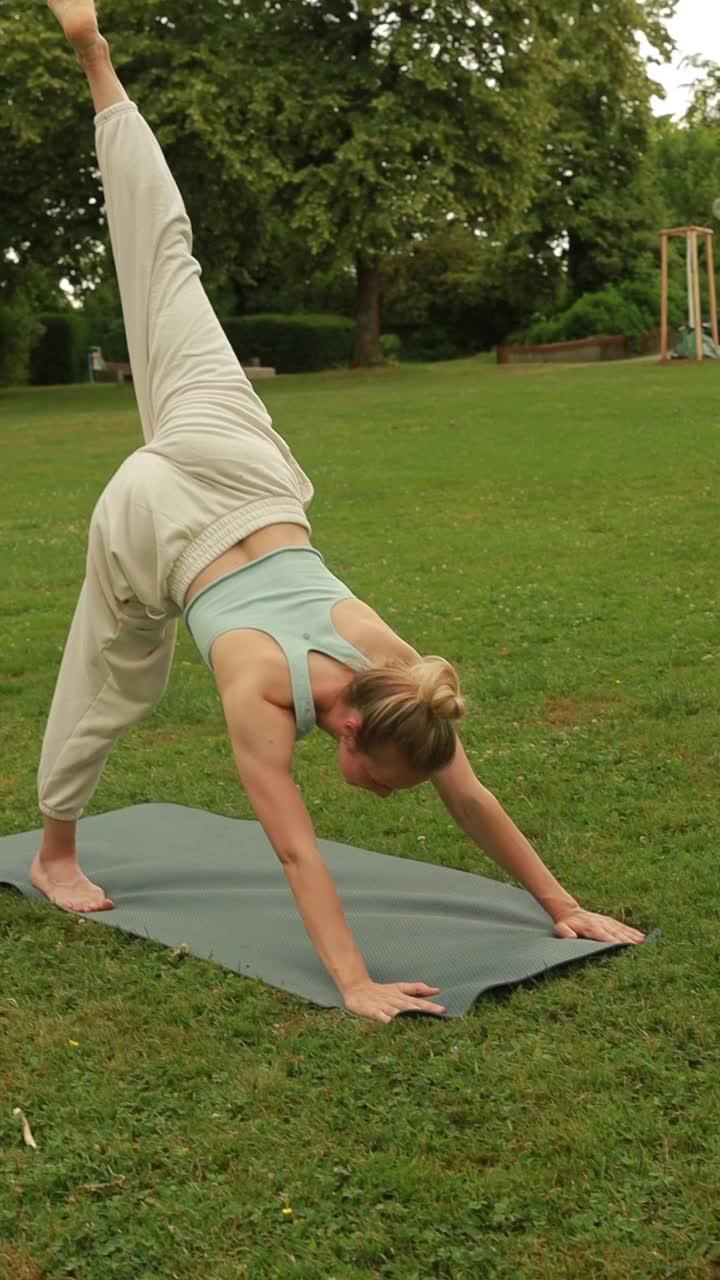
(180, 875)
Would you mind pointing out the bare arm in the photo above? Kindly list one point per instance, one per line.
(263, 737)
(483, 818)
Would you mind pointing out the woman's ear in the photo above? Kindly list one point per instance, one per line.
(350, 728)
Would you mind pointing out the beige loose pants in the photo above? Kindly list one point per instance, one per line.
(211, 472)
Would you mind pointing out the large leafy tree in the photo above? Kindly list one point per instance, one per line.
(45, 208)
(596, 208)
(687, 165)
(687, 168)
(597, 198)
(705, 104)
(687, 154)
(386, 117)
(353, 125)
(189, 75)
(348, 131)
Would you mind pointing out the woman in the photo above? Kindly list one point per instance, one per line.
(208, 517)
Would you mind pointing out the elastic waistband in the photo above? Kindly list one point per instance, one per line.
(233, 527)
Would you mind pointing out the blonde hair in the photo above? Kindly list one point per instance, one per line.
(411, 706)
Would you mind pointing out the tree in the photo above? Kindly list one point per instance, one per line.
(387, 117)
(596, 209)
(597, 201)
(51, 212)
(358, 127)
(351, 129)
(45, 209)
(687, 165)
(473, 286)
(705, 104)
(687, 169)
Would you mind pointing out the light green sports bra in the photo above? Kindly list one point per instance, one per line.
(289, 594)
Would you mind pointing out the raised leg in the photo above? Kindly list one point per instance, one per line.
(80, 726)
(79, 22)
(184, 369)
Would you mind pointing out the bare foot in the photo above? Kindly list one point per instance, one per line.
(64, 884)
(79, 22)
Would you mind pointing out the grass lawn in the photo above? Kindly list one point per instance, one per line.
(554, 533)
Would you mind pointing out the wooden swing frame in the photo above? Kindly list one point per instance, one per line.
(692, 233)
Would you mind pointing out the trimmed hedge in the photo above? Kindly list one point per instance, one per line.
(19, 330)
(59, 356)
(293, 344)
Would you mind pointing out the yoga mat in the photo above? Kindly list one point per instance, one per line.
(180, 875)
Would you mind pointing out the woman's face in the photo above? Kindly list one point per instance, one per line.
(384, 772)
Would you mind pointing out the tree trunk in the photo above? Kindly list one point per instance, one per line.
(368, 351)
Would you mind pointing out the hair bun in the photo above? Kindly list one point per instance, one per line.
(438, 687)
(411, 706)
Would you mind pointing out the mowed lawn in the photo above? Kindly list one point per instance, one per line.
(554, 533)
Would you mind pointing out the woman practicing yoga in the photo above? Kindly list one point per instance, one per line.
(208, 519)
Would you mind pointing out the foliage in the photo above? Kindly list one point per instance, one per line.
(391, 347)
(292, 344)
(596, 210)
(596, 200)
(687, 168)
(18, 330)
(363, 124)
(60, 354)
(474, 286)
(402, 114)
(49, 212)
(705, 103)
(24, 290)
(102, 312)
(289, 283)
(631, 309)
(361, 131)
(430, 342)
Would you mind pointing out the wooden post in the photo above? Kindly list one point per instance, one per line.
(713, 292)
(664, 245)
(696, 296)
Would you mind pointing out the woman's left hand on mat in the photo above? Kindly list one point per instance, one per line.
(588, 924)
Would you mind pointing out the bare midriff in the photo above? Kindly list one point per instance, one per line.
(272, 538)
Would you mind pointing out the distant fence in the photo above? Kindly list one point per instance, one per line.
(615, 347)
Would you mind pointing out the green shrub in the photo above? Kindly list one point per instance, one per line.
(19, 329)
(102, 312)
(604, 314)
(391, 347)
(645, 293)
(426, 342)
(293, 344)
(59, 356)
(112, 341)
(540, 331)
(631, 309)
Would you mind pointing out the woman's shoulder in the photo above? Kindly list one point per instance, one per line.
(364, 628)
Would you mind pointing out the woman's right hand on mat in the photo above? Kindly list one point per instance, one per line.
(383, 1000)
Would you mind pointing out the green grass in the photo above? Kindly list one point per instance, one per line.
(553, 532)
